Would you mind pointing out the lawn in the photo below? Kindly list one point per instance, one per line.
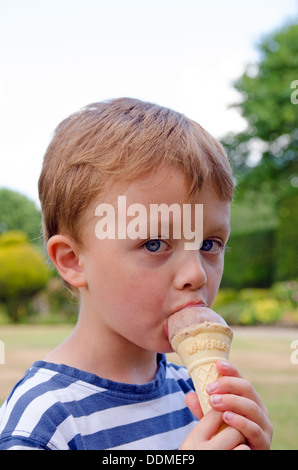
(263, 355)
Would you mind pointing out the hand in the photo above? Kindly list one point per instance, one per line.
(205, 435)
(241, 406)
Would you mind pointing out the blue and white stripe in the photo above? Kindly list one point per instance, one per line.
(59, 407)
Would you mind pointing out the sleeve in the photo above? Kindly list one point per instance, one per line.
(20, 443)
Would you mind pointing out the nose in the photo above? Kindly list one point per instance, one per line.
(190, 273)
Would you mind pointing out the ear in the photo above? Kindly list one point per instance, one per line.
(65, 254)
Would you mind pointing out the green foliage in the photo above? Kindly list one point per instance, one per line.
(260, 311)
(254, 211)
(249, 260)
(286, 241)
(263, 245)
(279, 304)
(13, 238)
(23, 271)
(226, 296)
(287, 292)
(266, 202)
(17, 212)
(55, 304)
(271, 115)
(266, 90)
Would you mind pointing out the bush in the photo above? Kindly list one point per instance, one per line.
(259, 306)
(261, 311)
(19, 213)
(249, 260)
(226, 296)
(55, 304)
(252, 294)
(23, 272)
(287, 291)
(286, 239)
(263, 252)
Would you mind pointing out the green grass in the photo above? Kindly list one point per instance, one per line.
(281, 401)
(265, 360)
(17, 337)
(261, 354)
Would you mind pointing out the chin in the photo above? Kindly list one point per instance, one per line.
(165, 349)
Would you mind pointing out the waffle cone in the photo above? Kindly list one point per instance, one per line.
(199, 348)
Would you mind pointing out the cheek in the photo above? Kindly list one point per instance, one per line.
(125, 288)
(142, 290)
(214, 276)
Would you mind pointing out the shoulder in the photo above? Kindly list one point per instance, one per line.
(37, 406)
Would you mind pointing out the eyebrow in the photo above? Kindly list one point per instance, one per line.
(222, 229)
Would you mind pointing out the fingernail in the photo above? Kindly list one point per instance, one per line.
(212, 387)
(224, 364)
(228, 416)
(216, 399)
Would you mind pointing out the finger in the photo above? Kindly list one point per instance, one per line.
(200, 436)
(211, 423)
(228, 438)
(257, 437)
(242, 447)
(246, 416)
(239, 405)
(192, 402)
(236, 386)
(227, 368)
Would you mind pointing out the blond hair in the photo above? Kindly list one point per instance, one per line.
(121, 140)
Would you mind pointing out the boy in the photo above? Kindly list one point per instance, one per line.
(109, 386)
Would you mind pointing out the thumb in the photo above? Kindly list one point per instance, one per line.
(192, 402)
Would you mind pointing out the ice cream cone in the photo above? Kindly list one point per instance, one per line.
(200, 347)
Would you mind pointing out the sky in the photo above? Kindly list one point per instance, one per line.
(57, 56)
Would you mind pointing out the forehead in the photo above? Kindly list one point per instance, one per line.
(169, 186)
(164, 185)
(165, 188)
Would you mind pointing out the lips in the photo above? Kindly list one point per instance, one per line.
(189, 305)
(182, 307)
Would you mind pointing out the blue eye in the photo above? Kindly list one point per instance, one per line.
(211, 246)
(155, 246)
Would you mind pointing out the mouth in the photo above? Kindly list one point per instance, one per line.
(182, 307)
(189, 305)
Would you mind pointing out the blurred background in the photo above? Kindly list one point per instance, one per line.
(233, 67)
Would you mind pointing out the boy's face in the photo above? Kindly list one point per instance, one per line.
(134, 285)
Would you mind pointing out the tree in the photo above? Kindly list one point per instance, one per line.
(17, 212)
(265, 212)
(23, 272)
(267, 103)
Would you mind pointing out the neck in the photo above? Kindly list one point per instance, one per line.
(107, 355)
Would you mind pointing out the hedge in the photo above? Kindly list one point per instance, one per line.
(249, 260)
(287, 237)
(262, 257)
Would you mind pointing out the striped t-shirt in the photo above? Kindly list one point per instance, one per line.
(56, 406)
